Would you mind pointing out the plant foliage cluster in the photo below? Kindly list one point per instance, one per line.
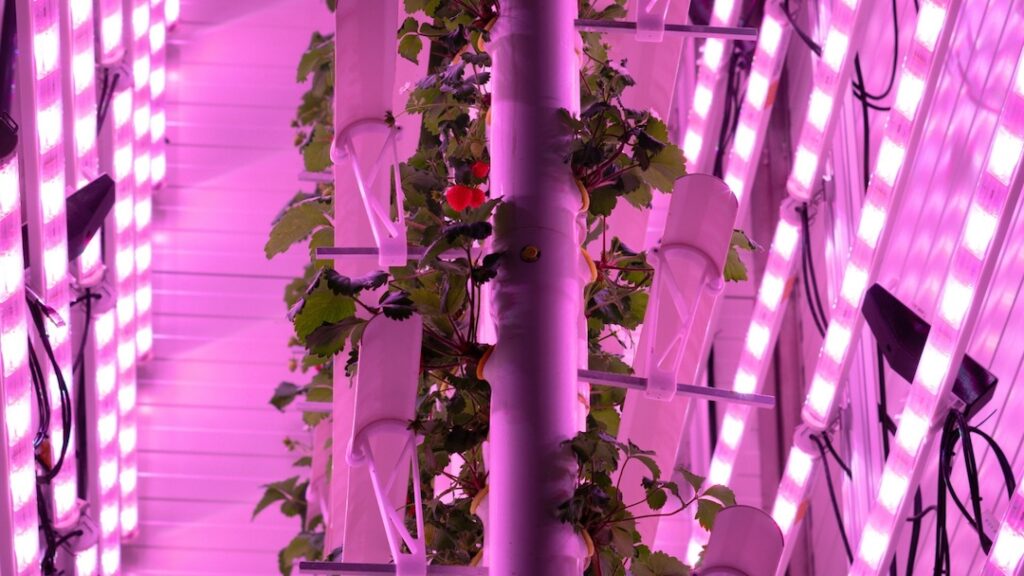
(617, 155)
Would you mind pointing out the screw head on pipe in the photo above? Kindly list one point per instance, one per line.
(529, 253)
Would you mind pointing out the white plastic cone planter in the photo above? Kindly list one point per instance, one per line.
(364, 147)
(382, 447)
(745, 542)
(687, 281)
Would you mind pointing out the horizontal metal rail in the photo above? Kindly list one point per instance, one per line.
(724, 32)
(618, 381)
(343, 568)
(691, 390)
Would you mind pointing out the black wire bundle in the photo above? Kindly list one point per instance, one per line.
(956, 428)
(822, 443)
(50, 470)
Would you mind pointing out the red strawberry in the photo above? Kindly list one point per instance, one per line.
(460, 197)
(480, 169)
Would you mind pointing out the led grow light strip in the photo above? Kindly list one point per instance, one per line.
(110, 30)
(158, 88)
(705, 114)
(82, 161)
(901, 136)
(116, 157)
(19, 550)
(172, 12)
(140, 57)
(1007, 555)
(134, 259)
(43, 156)
(831, 79)
(758, 100)
(969, 275)
(103, 408)
(769, 308)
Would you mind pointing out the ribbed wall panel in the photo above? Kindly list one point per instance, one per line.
(208, 438)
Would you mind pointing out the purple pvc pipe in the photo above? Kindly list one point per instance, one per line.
(536, 301)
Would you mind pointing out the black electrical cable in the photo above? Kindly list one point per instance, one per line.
(866, 152)
(78, 367)
(970, 463)
(807, 292)
(835, 455)
(42, 400)
(806, 222)
(811, 44)
(1004, 464)
(35, 308)
(915, 529)
(835, 501)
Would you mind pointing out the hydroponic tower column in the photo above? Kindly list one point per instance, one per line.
(538, 294)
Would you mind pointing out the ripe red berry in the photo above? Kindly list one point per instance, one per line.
(480, 169)
(460, 197)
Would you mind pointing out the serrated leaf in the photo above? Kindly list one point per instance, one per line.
(666, 167)
(707, 511)
(641, 197)
(270, 496)
(316, 154)
(285, 394)
(692, 479)
(603, 200)
(659, 564)
(656, 499)
(722, 493)
(297, 223)
(397, 305)
(329, 339)
(322, 306)
(409, 47)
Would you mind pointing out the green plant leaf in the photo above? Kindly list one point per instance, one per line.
(707, 511)
(297, 223)
(322, 306)
(659, 564)
(656, 499)
(409, 47)
(722, 493)
(692, 479)
(285, 394)
(328, 339)
(666, 167)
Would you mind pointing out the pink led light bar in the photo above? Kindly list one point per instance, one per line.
(158, 87)
(109, 24)
(139, 54)
(19, 523)
(43, 155)
(1007, 556)
(758, 100)
(705, 115)
(102, 413)
(831, 78)
(901, 137)
(133, 258)
(82, 159)
(117, 137)
(769, 309)
(968, 277)
(172, 12)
